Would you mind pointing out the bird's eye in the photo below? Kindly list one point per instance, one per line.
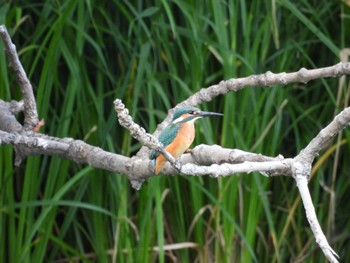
(191, 112)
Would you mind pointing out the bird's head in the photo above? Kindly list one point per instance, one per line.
(191, 114)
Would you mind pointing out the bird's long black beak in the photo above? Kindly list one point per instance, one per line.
(207, 113)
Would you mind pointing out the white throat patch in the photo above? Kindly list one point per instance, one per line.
(178, 119)
(194, 119)
(182, 118)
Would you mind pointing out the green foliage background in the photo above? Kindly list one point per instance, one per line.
(152, 54)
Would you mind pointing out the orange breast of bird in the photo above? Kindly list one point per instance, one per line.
(181, 143)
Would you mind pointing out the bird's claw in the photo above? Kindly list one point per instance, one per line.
(189, 151)
(177, 165)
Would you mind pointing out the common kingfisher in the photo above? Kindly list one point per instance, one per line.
(179, 134)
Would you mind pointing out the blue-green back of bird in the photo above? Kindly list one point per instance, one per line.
(166, 137)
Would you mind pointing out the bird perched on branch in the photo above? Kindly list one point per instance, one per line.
(179, 134)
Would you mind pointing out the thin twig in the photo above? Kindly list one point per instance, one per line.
(326, 135)
(139, 133)
(30, 109)
(301, 173)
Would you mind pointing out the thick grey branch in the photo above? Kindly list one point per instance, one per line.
(281, 167)
(204, 154)
(32, 143)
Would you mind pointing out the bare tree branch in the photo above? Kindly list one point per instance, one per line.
(8, 121)
(139, 133)
(30, 109)
(281, 167)
(200, 162)
(267, 79)
(326, 136)
(301, 169)
(301, 173)
(33, 143)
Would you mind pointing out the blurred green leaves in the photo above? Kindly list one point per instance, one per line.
(81, 55)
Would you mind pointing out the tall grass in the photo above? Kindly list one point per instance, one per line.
(81, 55)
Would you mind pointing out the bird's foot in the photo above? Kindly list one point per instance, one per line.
(189, 151)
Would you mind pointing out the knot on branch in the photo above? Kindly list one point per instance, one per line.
(301, 169)
(8, 120)
(78, 151)
(16, 106)
(202, 155)
(204, 95)
(138, 172)
(343, 119)
(341, 68)
(302, 73)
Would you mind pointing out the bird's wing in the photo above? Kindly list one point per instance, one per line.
(166, 137)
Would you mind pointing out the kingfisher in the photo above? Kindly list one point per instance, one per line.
(178, 136)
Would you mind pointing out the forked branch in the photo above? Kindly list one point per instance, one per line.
(201, 161)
